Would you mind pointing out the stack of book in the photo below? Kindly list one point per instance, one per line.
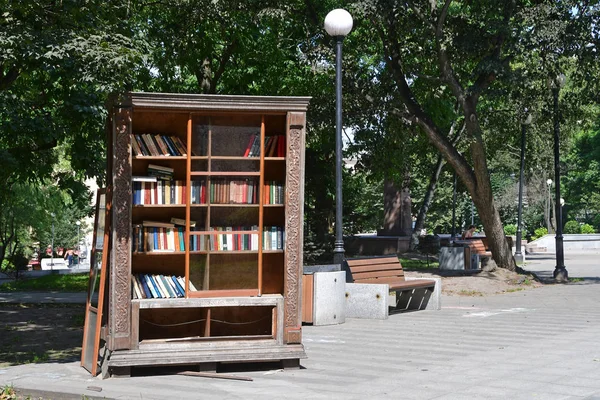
(274, 192)
(239, 191)
(147, 144)
(159, 187)
(154, 236)
(273, 238)
(152, 286)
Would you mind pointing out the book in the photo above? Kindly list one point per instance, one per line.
(143, 179)
(180, 289)
(181, 221)
(160, 168)
(158, 224)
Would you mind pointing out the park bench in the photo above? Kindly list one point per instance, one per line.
(475, 247)
(409, 293)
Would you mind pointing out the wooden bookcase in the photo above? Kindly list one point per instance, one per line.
(237, 244)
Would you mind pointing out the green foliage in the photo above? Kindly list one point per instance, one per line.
(510, 229)
(539, 232)
(572, 227)
(53, 282)
(582, 181)
(587, 229)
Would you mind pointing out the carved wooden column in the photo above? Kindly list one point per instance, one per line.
(119, 322)
(294, 227)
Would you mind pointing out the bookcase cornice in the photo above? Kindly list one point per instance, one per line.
(207, 102)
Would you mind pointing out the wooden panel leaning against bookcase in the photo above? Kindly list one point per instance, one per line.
(208, 226)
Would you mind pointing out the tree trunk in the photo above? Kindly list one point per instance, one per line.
(397, 218)
(420, 222)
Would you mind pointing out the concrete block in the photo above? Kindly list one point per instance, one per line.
(425, 299)
(329, 307)
(367, 300)
(452, 258)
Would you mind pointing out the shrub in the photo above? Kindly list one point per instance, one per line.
(572, 227)
(510, 229)
(539, 232)
(587, 228)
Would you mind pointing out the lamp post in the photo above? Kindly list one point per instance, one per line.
(560, 272)
(78, 223)
(453, 210)
(549, 220)
(518, 255)
(52, 245)
(338, 23)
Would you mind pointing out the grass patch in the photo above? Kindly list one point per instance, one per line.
(470, 293)
(514, 290)
(8, 393)
(53, 282)
(409, 263)
(576, 279)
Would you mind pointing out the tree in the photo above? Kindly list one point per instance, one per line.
(465, 48)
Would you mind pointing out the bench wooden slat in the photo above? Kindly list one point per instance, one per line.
(375, 274)
(380, 267)
(372, 261)
(396, 284)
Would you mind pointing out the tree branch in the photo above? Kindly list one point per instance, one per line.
(485, 79)
(394, 62)
(225, 57)
(446, 70)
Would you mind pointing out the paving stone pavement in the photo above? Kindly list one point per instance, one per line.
(540, 343)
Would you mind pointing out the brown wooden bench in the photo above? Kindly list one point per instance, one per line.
(386, 270)
(475, 246)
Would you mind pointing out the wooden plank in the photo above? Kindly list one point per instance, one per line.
(382, 267)
(397, 284)
(215, 375)
(372, 261)
(307, 298)
(377, 274)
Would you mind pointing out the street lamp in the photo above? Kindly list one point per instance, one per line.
(52, 245)
(338, 23)
(518, 255)
(549, 208)
(560, 272)
(78, 223)
(453, 210)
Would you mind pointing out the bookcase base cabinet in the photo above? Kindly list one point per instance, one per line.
(205, 259)
(198, 339)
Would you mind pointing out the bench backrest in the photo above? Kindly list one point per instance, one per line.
(374, 270)
(476, 245)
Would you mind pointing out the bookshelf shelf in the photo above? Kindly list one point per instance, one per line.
(234, 259)
(161, 158)
(224, 173)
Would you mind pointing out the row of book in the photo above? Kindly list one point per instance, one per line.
(148, 144)
(274, 146)
(150, 190)
(147, 237)
(225, 240)
(274, 192)
(237, 191)
(153, 286)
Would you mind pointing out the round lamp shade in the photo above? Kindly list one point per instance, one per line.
(338, 22)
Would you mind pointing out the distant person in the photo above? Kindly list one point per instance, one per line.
(469, 232)
(69, 257)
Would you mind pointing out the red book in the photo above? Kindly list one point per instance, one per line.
(247, 152)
